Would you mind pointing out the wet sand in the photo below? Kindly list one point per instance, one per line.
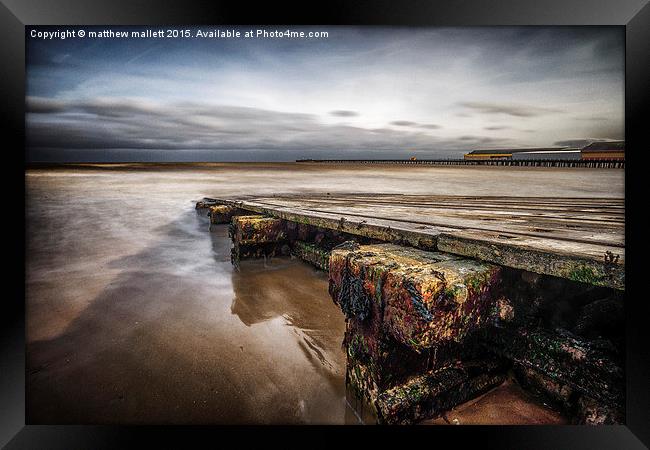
(507, 404)
(134, 313)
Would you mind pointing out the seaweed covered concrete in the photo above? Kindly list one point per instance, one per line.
(428, 330)
(424, 299)
(583, 377)
(257, 236)
(218, 213)
(410, 317)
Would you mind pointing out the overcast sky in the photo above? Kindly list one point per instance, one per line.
(360, 93)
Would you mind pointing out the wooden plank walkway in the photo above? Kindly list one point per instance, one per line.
(581, 239)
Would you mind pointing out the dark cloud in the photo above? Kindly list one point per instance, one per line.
(510, 110)
(43, 105)
(102, 78)
(483, 140)
(126, 123)
(408, 123)
(344, 113)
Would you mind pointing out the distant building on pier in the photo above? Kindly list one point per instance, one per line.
(551, 153)
(609, 150)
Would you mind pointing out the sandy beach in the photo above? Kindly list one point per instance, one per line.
(134, 313)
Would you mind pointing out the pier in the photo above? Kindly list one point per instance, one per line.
(446, 297)
(587, 164)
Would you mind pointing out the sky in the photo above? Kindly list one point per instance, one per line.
(360, 92)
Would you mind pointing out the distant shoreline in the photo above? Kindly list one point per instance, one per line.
(327, 164)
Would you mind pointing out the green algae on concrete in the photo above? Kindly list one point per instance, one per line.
(426, 298)
(430, 394)
(608, 271)
(257, 229)
(257, 236)
(575, 373)
(311, 253)
(220, 214)
(388, 362)
(410, 315)
(217, 212)
(204, 204)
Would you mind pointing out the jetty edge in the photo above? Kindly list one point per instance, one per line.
(439, 311)
(581, 239)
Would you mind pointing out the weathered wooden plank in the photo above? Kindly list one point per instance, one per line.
(421, 236)
(566, 216)
(575, 215)
(570, 227)
(487, 203)
(579, 239)
(612, 238)
(587, 231)
(534, 203)
(586, 263)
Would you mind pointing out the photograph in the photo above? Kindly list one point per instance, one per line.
(325, 225)
(369, 220)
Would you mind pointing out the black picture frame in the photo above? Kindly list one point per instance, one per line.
(634, 15)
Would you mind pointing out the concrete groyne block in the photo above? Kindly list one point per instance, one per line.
(257, 236)
(257, 229)
(423, 299)
(411, 317)
(311, 253)
(585, 377)
(432, 393)
(220, 214)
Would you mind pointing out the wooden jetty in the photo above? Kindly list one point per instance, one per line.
(445, 297)
(581, 239)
